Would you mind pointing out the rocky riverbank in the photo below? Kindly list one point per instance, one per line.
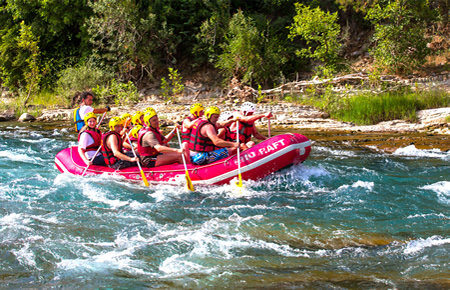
(430, 131)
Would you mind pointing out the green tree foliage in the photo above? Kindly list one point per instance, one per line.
(254, 41)
(58, 26)
(29, 43)
(400, 43)
(115, 34)
(320, 31)
(241, 49)
(81, 77)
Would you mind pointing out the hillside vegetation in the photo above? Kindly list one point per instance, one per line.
(50, 50)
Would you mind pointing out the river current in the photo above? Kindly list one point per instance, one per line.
(345, 218)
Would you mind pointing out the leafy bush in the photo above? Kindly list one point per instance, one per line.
(80, 78)
(320, 30)
(400, 44)
(172, 87)
(123, 93)
(240, 50)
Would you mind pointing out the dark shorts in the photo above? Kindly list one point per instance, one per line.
(148, 161)
(209, 157)
(121, 164)
(99, 160)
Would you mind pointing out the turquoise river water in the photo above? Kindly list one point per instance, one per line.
(345, 218)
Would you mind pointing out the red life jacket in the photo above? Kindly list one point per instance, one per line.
(198, 142)
(107, 153)
(186, 133)
(149, 151)
(228, 135)
(96, 136)
(245, 132)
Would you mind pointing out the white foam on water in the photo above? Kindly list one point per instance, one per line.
(442, 189)
(440, 215)
(335, 153)
(14, 219)
(412, 151)
(362, 184)
(25, 256)
(14, 156)
(419, 245)
(121, 257)
(97, 195)
(177, 264)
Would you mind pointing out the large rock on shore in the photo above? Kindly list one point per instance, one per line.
(25, 117)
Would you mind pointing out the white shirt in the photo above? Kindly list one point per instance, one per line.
(84, 110)
(85, 141)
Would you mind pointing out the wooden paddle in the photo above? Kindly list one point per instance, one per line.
(239, 184)
(138, 163)
(189, 184)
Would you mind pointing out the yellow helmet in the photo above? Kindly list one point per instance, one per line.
(148, 116)
(114, 122)
(88, 116)
(211, 111)
(125, 116)
(195, 109)
(136, 119)
(149, 109)
(135, 131)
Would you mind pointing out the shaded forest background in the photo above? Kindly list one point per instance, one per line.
(63, 46)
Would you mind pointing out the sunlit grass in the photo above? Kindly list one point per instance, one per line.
(35, 105)
(366, 108)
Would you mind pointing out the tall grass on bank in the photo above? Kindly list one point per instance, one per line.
(369, 108)
(42, 100)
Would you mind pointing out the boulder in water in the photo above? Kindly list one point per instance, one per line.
(25, 117)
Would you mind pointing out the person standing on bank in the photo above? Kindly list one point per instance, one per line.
(89, 140)
(87, 98)
(112, 147)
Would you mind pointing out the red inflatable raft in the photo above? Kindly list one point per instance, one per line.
(257, 162)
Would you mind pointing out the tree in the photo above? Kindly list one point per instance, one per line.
(29, 43)
(400, 43)
(241, 49)
(320, 31)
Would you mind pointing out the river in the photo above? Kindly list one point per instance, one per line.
(345, 218)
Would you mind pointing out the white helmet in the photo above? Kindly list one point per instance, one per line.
(225, 116)
(248, 107)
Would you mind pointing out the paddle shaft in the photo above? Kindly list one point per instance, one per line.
(189, 184)
(268, 127)
(101, 120)
(93, 157)
(238, 154)
(138, 163)
(98, 150)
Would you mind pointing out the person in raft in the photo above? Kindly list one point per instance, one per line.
(152, 144)
(89, 140)
(112, 147)
(204, 144)
(126, 119)
(247, 128)
(196, 111)
(87, 98)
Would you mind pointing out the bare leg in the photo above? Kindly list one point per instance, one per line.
(168, 158)
(187, 156)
